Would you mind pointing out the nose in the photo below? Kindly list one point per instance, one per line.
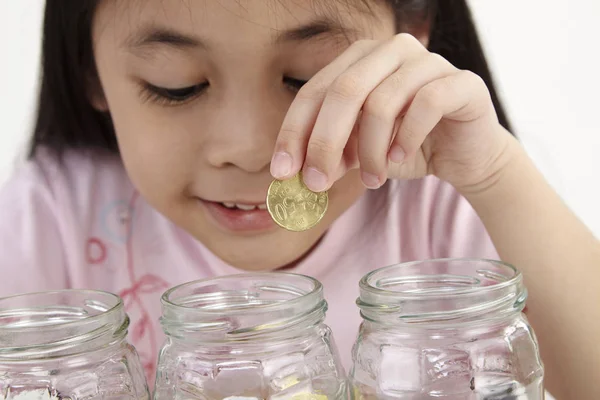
(244, 132)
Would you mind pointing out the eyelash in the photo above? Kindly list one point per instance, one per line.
(172, 97)
(293, 83)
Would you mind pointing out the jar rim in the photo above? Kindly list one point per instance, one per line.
(366, 283)
(316, 289)
(242, 306)
(442, 291)
(52, 323)
(102, 314)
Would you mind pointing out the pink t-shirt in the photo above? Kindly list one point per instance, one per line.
(81, 224)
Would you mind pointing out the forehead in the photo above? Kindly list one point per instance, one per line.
(226, 21)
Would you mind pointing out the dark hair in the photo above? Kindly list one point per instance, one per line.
(66, 118)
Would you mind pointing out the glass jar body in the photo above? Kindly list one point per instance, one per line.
(493, 361)
(111, 373)
(298, 369)
(68, 344)
(445, 329)
(267, 341)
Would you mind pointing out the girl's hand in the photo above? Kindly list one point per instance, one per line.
(394, 110)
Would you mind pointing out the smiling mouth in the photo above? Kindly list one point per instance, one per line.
(240, 217)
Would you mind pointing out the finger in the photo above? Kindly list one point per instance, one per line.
(350, 157)
(290, 147)
(457, 95)
(342, 104)
(382, 109)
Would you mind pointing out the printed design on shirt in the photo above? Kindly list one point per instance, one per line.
(95, 251)
(141, 328)
(117, 222)
(114, 220)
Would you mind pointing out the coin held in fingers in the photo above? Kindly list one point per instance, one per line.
(293, 206)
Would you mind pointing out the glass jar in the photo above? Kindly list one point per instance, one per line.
(67, 344)
(449, 329)
(248, 336)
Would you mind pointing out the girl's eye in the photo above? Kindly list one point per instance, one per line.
(166, 96)
(293, 83)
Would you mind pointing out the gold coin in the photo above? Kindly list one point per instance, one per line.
(294, 206)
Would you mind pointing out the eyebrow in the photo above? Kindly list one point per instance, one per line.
(157, 35)
(313, 30)
(154, 35)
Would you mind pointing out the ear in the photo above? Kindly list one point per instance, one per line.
(95, 94)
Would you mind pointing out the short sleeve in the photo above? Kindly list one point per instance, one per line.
(456, 230)
(32, 252)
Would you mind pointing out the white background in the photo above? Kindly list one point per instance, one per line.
(543, 52)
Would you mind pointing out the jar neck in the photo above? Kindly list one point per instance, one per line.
(442, 293)
(61, 323)
(244, 308)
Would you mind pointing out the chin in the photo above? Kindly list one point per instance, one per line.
(258, 262)
(280, 249)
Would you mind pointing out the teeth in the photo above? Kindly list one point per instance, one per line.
(245, 207)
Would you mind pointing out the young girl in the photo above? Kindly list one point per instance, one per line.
(161, 124)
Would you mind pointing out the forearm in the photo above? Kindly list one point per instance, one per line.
(560, 259)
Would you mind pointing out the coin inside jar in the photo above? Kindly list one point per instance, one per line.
(295, 207)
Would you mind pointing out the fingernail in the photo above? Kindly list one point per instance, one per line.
(315, 180)
(281, 165)
(397, 155)
(371, 181)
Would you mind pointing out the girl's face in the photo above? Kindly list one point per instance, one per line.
(198, 90)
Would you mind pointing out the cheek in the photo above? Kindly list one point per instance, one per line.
(160, 176)
(155, 147)
(158, 164)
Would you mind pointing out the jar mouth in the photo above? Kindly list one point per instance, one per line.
(57, 323)
(441, 289)
(241, 305)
